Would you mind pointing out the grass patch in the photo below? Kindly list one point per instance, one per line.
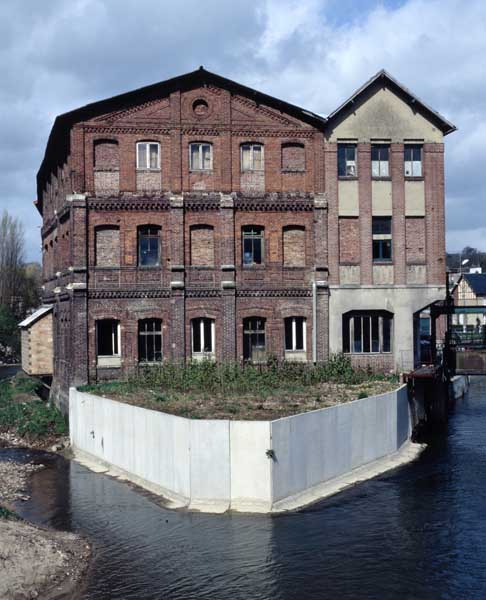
(232, 391)
(23, 413)
(5, 513)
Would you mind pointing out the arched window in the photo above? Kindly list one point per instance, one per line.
(293, 157)
(293, 246)
(202, 245)
(202, 338)
(253, 245)
(148, 155)
(107, 246)
(150, 340)
(106, 155)
(200, 156)
(149, 246)
(251, 157)
(254, 343)
(367, 331)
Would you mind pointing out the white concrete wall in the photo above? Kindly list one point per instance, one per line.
(215, 465)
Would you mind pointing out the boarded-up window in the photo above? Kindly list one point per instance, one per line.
(293, 157)
(349, 240)
(106, 154)
(415, 239)
(294, 246)
(202, 246)
(107, 246)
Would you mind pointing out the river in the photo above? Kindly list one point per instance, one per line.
(417, 532)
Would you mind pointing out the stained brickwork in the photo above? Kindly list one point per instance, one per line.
(349, 240)
(415, 236)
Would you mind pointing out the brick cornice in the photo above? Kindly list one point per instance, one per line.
(114, 294)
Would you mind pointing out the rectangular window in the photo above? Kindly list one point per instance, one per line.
(382, 239)
(252, 242)
(252, 157)
(367, 332)
(347, 160)
(202, 337)
(150, 340)
(148, 155)
(108, 342)
(380, 160)
(200, 157)
(413, 160)
(254, 339)
(295, 334)
(149, 246)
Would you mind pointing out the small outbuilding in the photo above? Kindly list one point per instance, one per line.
(37, 342)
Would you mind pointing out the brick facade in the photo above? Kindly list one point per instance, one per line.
(96, 199)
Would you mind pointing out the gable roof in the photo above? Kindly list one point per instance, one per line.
(58, 144)
(384, 77)
(477, 282)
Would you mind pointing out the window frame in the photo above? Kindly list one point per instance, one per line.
(381, 241)
(113, 359)
(149, 236)
(383, 173)
(343, 147)
(192, 168)
(249, 333)
(256, 233)
(147, 156)
(350, 330)
(251, 146)
(294, 323)
(144, 335)
(420, 170)
(200, 322)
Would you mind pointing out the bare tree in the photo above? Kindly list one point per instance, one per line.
(11, 259)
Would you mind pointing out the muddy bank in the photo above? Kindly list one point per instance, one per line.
(35, 562)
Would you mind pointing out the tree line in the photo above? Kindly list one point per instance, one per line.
(475, 258)
(20, 285)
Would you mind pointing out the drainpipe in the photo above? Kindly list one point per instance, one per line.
(314, 322)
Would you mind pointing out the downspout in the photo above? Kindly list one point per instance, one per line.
(314, 322)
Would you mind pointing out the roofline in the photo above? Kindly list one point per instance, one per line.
(445, 125)
(57, 149)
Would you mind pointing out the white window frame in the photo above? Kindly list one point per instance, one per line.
(110, 360)
(202, 354)
(294, 335)
(251, 146)
(200, 146)
(350, 165)
(147, 156)
(380, 167)
(413, 168)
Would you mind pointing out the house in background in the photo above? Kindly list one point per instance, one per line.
(198, 218)
(470, 291)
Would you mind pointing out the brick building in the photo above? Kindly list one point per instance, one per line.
(200, 218)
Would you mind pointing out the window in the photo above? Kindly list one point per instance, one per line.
(367, 332)
(413, 160)
(253, 245)
(106, 154)
(294, 246)
(148, 155)
(295, 335)
(200, 157)
(254, 339)
(149, 246)
(293, 157)
(347, 160)
(202, 246)
(107, 242)
(380, 160)
(150, 340)
(251, 157)
(202, 337)
(382, 239)
(108, 342)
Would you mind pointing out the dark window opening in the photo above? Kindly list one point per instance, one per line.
(149, 246)
(347, 160)
(254, 339)
(150, 340)
(253, 245)
(202, 334)
(367, 332)
(382, 239)
(295, 334)
(107, 334)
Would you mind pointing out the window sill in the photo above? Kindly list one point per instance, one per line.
(383, 262)
(414, 178)
(206, 171)
(108, 362)
(254, 267)
(293, 171)
(293, 268)
(381, 178)
(106, 170)
(148, 267)
(155, 363)
(201, 268)
(348, 177)
(157, 170)
(252, 171)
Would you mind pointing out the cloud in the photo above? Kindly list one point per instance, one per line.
(57, 55)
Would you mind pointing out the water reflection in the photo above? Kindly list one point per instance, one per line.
(416, 533)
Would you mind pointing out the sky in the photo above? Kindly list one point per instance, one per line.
(57, 55)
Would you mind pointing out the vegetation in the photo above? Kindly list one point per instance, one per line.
(5, 513)
(23, 413)
(230, 390)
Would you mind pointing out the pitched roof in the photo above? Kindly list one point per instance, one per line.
(383, 76)
(58, 144)
(477, 282)
(35, 316)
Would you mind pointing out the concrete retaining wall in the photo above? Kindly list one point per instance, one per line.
(216, 465)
